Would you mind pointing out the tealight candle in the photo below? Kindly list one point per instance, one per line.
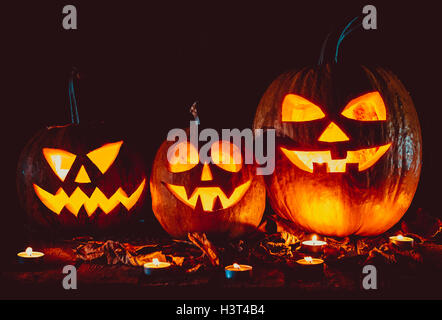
(311, 266)
(238, 271)
(30, 256)
(155, 267)
(402, 242)
(313, 246)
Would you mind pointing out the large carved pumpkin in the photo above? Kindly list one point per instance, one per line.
(348, 155)
(223, 198)
(80, 177)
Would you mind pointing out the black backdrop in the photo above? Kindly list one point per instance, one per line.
(143, 64)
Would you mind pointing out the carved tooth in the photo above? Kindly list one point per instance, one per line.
(199, 205)
(217, 205)
(320, 167)
(351, 167)
(228, 189)
(338, 153)
(190, 189)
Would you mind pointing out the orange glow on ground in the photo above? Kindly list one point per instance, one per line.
(78, 199)
(365, 158)
(298, 109)
(208, 195)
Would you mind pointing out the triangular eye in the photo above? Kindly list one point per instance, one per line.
(59, 160)
(104, 156)
(298, 109)
(368, 107)
(182, 157)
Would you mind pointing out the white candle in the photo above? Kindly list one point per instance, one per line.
(156, 266)
(238, 271)
(30, 256)
(402, 242)
(310, 267)
(309, 261)
(313, 245)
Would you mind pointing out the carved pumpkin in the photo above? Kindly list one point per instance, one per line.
(80, 177)
(223, 198)
(348, 155)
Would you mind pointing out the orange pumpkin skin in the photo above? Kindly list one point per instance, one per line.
(178, 219)
(353, 202)
(125, 171)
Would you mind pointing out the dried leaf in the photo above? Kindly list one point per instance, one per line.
(365, 245)
(289, 238)
(115, 252)
(389, 258)
(424, 225)
(274, 246)
(195, 268)
(177, 260)
(201, 241)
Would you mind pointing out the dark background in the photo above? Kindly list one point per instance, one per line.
(142, 65)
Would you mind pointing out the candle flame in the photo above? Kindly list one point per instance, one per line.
(236, 266)
(308, 259)
(400, 237)
(28, 251)
(314, 238)
(156, 262)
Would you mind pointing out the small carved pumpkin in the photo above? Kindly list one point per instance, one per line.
(80, 177)
(222, 198)
(349, 148)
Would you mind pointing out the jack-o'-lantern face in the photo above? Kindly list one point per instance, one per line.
(220, 195)
(208, 192)
(367, 107)
(61, 162)
(80, 178)
(348, 148)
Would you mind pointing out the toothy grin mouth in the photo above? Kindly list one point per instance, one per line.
(56, 202)
(363, 158)
(209, 198)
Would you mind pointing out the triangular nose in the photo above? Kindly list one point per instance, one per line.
(82, 176)
(333, 134)
(206, 175)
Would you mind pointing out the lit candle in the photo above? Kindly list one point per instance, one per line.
(30, 256)
(155, 267)
(311, 266)
(402, 242)
(313, 246)
(238, 271)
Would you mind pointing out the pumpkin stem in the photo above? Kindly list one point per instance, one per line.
(194, 112)
(344, 34)
(72, 99)
(324, 46)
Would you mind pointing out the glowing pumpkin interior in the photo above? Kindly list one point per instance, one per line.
(61, 162)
